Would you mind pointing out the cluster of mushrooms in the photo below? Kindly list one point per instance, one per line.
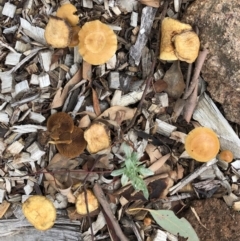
(96, 41)
(71, 140)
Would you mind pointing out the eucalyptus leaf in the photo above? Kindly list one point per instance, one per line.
(171, 223)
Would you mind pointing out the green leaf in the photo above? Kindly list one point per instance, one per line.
(145, 171)
(171, 223)
(124, 179)
(117, 172)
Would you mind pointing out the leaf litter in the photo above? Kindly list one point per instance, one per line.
(139, 100)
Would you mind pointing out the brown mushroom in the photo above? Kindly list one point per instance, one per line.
(75, 147)
(40, 212)
(68, 13)
(202, 144)
(97, 42)
(187, 46)
(226, 155)
(81, 203)
(97, 137)
(59, 123)
(58, 32)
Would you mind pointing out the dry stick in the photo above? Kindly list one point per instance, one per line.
(199, 63)
(191, 104)
(105, 205)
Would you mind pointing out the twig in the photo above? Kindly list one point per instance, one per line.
(105, 205)
(192, 176)
(199, 63)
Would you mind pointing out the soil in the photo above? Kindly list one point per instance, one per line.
(221, 222)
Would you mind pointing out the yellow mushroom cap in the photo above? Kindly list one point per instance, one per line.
(226, 156)
(91, 201)
(40, 212)
(97, 42)
(58, 32)
(67, 12)
(202, 144)
(187, 46)
(169, 28)
(77, 145)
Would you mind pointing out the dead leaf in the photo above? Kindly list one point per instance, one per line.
(178, 136)
(96, 105)
(151, 3)
(180, 171)
(61, 162)
(159, 86)
(153, 153)
(159, 163)
(62, 93)
(119, 113)
(175, 81)
(4, 207)
(87, 71)
(85, 122)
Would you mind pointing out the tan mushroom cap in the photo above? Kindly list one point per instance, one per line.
(187, 46)
(170, 27)
(67, 12)
(97, 42)
(58, 32)
(76, 147)
(91, 201)
(226, 155)
(202, 144)
(59, 123)
(40, 212)
(97, 137)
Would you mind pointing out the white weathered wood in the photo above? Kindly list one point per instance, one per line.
(134, 19)
(208, 115)
(13, 58)
(45, 58)
(164, 128)
(35, 151)
(9, 10)
(44, 80)
(113, 80)
(21, 87)
(22, 47)
(36, 117)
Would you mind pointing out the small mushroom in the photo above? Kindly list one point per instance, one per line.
(40, 212)
(58, 32)
(226, 156)
(75, 147)
(97, 137)
(91, 201)
(59, 123)
(187, 46)
(202, 144)
(174, 45)
(97, 42)
(68, 13)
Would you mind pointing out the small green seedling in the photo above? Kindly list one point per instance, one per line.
(133, 171)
